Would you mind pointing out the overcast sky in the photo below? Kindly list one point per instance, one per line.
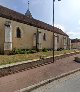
(67, 13)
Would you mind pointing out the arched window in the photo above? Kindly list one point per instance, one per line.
(18, 33)
(44, 37)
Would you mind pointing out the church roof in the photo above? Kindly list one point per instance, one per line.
(16, 16)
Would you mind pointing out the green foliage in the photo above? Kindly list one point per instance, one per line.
(50, 49)
(1, 52)
(44, 50)
(22, 51)
(60, 49)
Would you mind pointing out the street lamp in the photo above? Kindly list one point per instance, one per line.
(53, 29)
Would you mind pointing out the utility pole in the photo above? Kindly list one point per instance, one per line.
(53, 30)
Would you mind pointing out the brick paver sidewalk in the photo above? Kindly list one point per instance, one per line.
(26, 78)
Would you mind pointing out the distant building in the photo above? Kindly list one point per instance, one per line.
(24, 32)
(75, 43)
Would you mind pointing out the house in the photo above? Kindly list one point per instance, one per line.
(75, 43)
(22, 31)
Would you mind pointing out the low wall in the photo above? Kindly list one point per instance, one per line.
(10, 69)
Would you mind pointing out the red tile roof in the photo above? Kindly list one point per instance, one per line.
(16, 16)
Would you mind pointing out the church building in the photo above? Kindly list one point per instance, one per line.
(22, 31)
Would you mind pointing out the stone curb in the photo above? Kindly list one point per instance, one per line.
(30, 64)
(30, 88)
(18, 63)
(28, 61)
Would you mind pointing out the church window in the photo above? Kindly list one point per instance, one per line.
(18, 33)
(44, 37)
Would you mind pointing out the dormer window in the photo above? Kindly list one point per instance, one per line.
(18, 33)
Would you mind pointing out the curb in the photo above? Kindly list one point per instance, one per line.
(27, 65)
(29, 61)
(30, 88)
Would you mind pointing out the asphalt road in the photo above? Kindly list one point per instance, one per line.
(68, 84)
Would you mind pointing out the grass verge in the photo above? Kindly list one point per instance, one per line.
(8, 59)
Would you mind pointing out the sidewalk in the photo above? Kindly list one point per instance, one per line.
(27, 78)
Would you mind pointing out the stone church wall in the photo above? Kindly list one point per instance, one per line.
(2, 21)
(27, 34)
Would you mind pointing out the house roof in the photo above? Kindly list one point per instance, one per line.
(16, 16)
(75, 40)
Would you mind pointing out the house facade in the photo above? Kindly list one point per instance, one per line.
(24, 32)
(75, 43)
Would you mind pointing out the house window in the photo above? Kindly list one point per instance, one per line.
(44, 37)
(18, 33)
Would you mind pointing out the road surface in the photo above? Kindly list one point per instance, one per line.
(67, 84)
(20, 80)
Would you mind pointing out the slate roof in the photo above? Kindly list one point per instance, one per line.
(16, 16)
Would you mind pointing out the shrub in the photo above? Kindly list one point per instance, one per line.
(17, 51)
(1, 52)
(22, 51)
(50, 49)
(31, 51)
(60, 49)
(11, 53)
(44, 50)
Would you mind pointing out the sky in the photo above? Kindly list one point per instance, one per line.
(66, 15)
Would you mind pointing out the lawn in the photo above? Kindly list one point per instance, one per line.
(7, 59)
